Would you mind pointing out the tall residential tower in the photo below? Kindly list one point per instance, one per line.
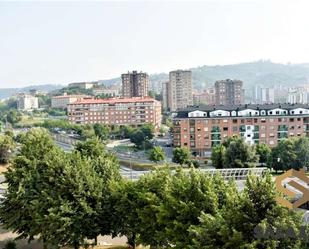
(135, 84)
(178, 91)
(229, 92)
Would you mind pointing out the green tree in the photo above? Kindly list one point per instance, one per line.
(238, 154)
(217, 156)
(59, 197)
(263, 151)
(138, 138)
(233, 226)
(187, 196)
(152, 193)
(283, 156)
(126, 131)
(234, 153)
(7, 146)
(181, 155)
(124, 204)
(13, 116)
(101, 131)
(75, 205)
(148, 130)
(157, 154)
(301, 146)
(27, 178)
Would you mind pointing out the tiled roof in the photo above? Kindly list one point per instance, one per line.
(183, 113)
(71, 96)
(114, 100)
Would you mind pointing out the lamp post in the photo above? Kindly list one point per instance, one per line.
(131, 172)
(146, 138)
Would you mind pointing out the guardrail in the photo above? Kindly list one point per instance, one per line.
(64, 139)
(227, 174)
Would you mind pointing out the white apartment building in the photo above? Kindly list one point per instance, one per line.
(63, 100)
(27, 102)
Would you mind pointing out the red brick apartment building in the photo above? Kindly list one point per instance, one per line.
(201, 128)
(116, 111)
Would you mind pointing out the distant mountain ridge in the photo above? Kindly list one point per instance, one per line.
(263, 72)
(7, 92)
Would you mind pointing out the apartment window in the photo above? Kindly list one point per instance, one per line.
(242, 121)
(255, 120)
(279, 120)
(205, 128)
(270, 112)
(234, 121)
(291, 119)
(235, 128)
(298, 119)
(225, 128)
(277, 112)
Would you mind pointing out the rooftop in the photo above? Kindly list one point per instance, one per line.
(115, 100)
(209, 108)
(71, 96)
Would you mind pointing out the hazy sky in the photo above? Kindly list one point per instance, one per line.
(62, 42)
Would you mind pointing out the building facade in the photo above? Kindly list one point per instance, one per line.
(229, 92)
(200, 129)
(111, 91)
(27, 102)
(206, 97)
(84, 85)
(63, 100)
(178, 91)
(135, 84)
(118, 111)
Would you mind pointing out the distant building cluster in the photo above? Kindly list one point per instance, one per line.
(201, 128)
(298, 95)
(133, 111)
(280, 94)
(206, 97)
(264, 95)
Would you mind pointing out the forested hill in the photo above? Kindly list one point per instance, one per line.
(265, 73)
(260, 72)
(7, 92)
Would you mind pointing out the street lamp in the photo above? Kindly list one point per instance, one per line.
(146, 138)
(131, 172)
